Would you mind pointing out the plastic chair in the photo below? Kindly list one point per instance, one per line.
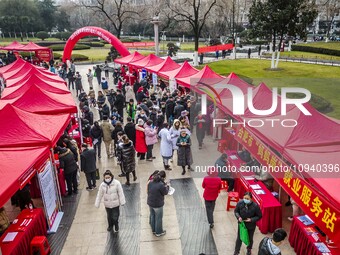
(233, 197)
(39, 244)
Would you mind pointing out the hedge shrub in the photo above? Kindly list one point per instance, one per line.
(316, 50)
(79, 57)
(60, 47)
(92, 44)
(129, 40)
(56, 55)
(49, 43)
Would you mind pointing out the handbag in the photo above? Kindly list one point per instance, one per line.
(244, 236)
(97, 174)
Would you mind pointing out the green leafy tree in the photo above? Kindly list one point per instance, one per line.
(42, 35)
(277, 18)
(47, 12)
(14, 14)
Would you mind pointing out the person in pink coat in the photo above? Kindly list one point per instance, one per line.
(212, 186)
(141, 147)
(150, 138)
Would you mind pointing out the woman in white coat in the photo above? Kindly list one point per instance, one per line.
(129, 94)
(113, 194)
(166, 145)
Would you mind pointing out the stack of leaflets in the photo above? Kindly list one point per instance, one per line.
(306, 220)
(310, 230)
(322, 247)
(259, 191)
(255, 186)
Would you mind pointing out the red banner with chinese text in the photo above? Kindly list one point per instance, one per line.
(139, 44)
(44, 55)
(314, 204)
(216, 48)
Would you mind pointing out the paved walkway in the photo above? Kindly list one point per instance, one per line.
(88, 234)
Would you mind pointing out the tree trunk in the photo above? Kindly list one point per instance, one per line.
(272, 65)
(196, 49)
(279, 50)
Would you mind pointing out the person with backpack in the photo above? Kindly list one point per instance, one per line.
(270, 246)
(248, 212)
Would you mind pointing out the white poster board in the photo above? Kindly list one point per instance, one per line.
(48, 192)
(172, 85)
(154, 79)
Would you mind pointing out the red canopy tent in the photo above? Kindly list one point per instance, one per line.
(31, 46)
(16, 165)
(15, 78)
(13, 46)
(167, 65)
(183, 71)
(28, 129)
(16, 64)
(37, 100)
(15, 90)
(130, 58)
(148, 61)
(232, 79)
(206, 76)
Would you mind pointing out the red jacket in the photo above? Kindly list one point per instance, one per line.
(140, 140)
(211, 186)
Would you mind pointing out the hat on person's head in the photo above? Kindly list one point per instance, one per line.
(183, 130)
(184, 113)
(140, 122)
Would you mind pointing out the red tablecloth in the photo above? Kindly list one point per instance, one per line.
(270, 206)
(228, 136)
(21, 244)
(303, 243)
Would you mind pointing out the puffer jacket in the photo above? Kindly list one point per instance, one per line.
(150, 135)
(126, 155)
(67, 161)
(113, 194)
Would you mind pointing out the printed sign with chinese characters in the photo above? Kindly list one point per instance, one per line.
(311, 201)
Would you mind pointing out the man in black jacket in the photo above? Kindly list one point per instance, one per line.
(169, 110)
(157, 189)
(88, 166)
(178, 109)
(249, 212)
(270, 246)
(68, 163)
(130, 130)
(96, 134)
(120, 103)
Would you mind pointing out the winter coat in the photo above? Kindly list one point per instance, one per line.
(211, 186)
(150, 135)
(200, 127)
(115, 133)
(78, 82)
(153, 117)
(126, 155)
(101, 100)
(4, 221)
(129, 94)
(67, 161)
(221, 166)
(169, 108)
(120, 101)
(130, 131)
(174, 133)
(131, 110)
(266, 247)
(166, 143)
(96, 133)
(107, 130)
(251, 211)
(88, 161)
(140, 140)
(178, 110)
(156, 192)
(184, 151)
(113, 194)
(104, 85)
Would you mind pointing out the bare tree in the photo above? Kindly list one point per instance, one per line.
(116, 12)
(195, 12)
(331, 9)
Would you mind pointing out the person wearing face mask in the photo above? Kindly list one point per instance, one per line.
(249, 212)
(112, 192)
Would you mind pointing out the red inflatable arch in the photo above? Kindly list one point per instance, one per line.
(94, 31)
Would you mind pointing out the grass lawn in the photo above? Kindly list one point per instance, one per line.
(309, 55)
(320, 80)
(328, 45)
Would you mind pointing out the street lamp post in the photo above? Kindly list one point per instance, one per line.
(156, 21)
